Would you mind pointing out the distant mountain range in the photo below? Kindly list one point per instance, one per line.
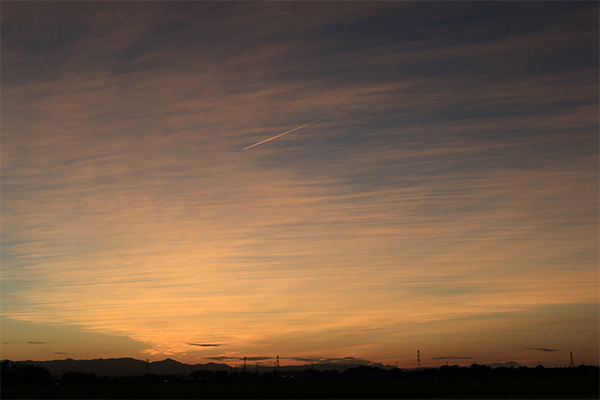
(125, 367)
(510, 364)
(114, 367)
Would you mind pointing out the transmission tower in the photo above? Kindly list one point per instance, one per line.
(419, 359)
(572, 363)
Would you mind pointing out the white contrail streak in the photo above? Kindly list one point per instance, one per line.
(281, 134)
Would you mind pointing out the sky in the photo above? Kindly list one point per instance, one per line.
(440, 194)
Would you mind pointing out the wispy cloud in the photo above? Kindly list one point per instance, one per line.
(452, 358)
(430, 193)
(544, 349)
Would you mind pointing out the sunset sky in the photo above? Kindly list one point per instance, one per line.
(445, 200)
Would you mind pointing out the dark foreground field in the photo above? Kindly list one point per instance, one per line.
(358, 383)
(511, 389)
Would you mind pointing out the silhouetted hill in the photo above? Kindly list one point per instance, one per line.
(124, 367)
(168, 367)
(510, 364)
(101, 367)
(130, 367)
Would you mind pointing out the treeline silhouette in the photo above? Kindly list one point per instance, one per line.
(21, 380)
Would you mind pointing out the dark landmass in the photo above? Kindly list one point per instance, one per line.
(129, 367)
(119, 367)
(28, 380)
(125, 367)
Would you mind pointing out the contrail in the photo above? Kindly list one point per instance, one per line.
(281, 134)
